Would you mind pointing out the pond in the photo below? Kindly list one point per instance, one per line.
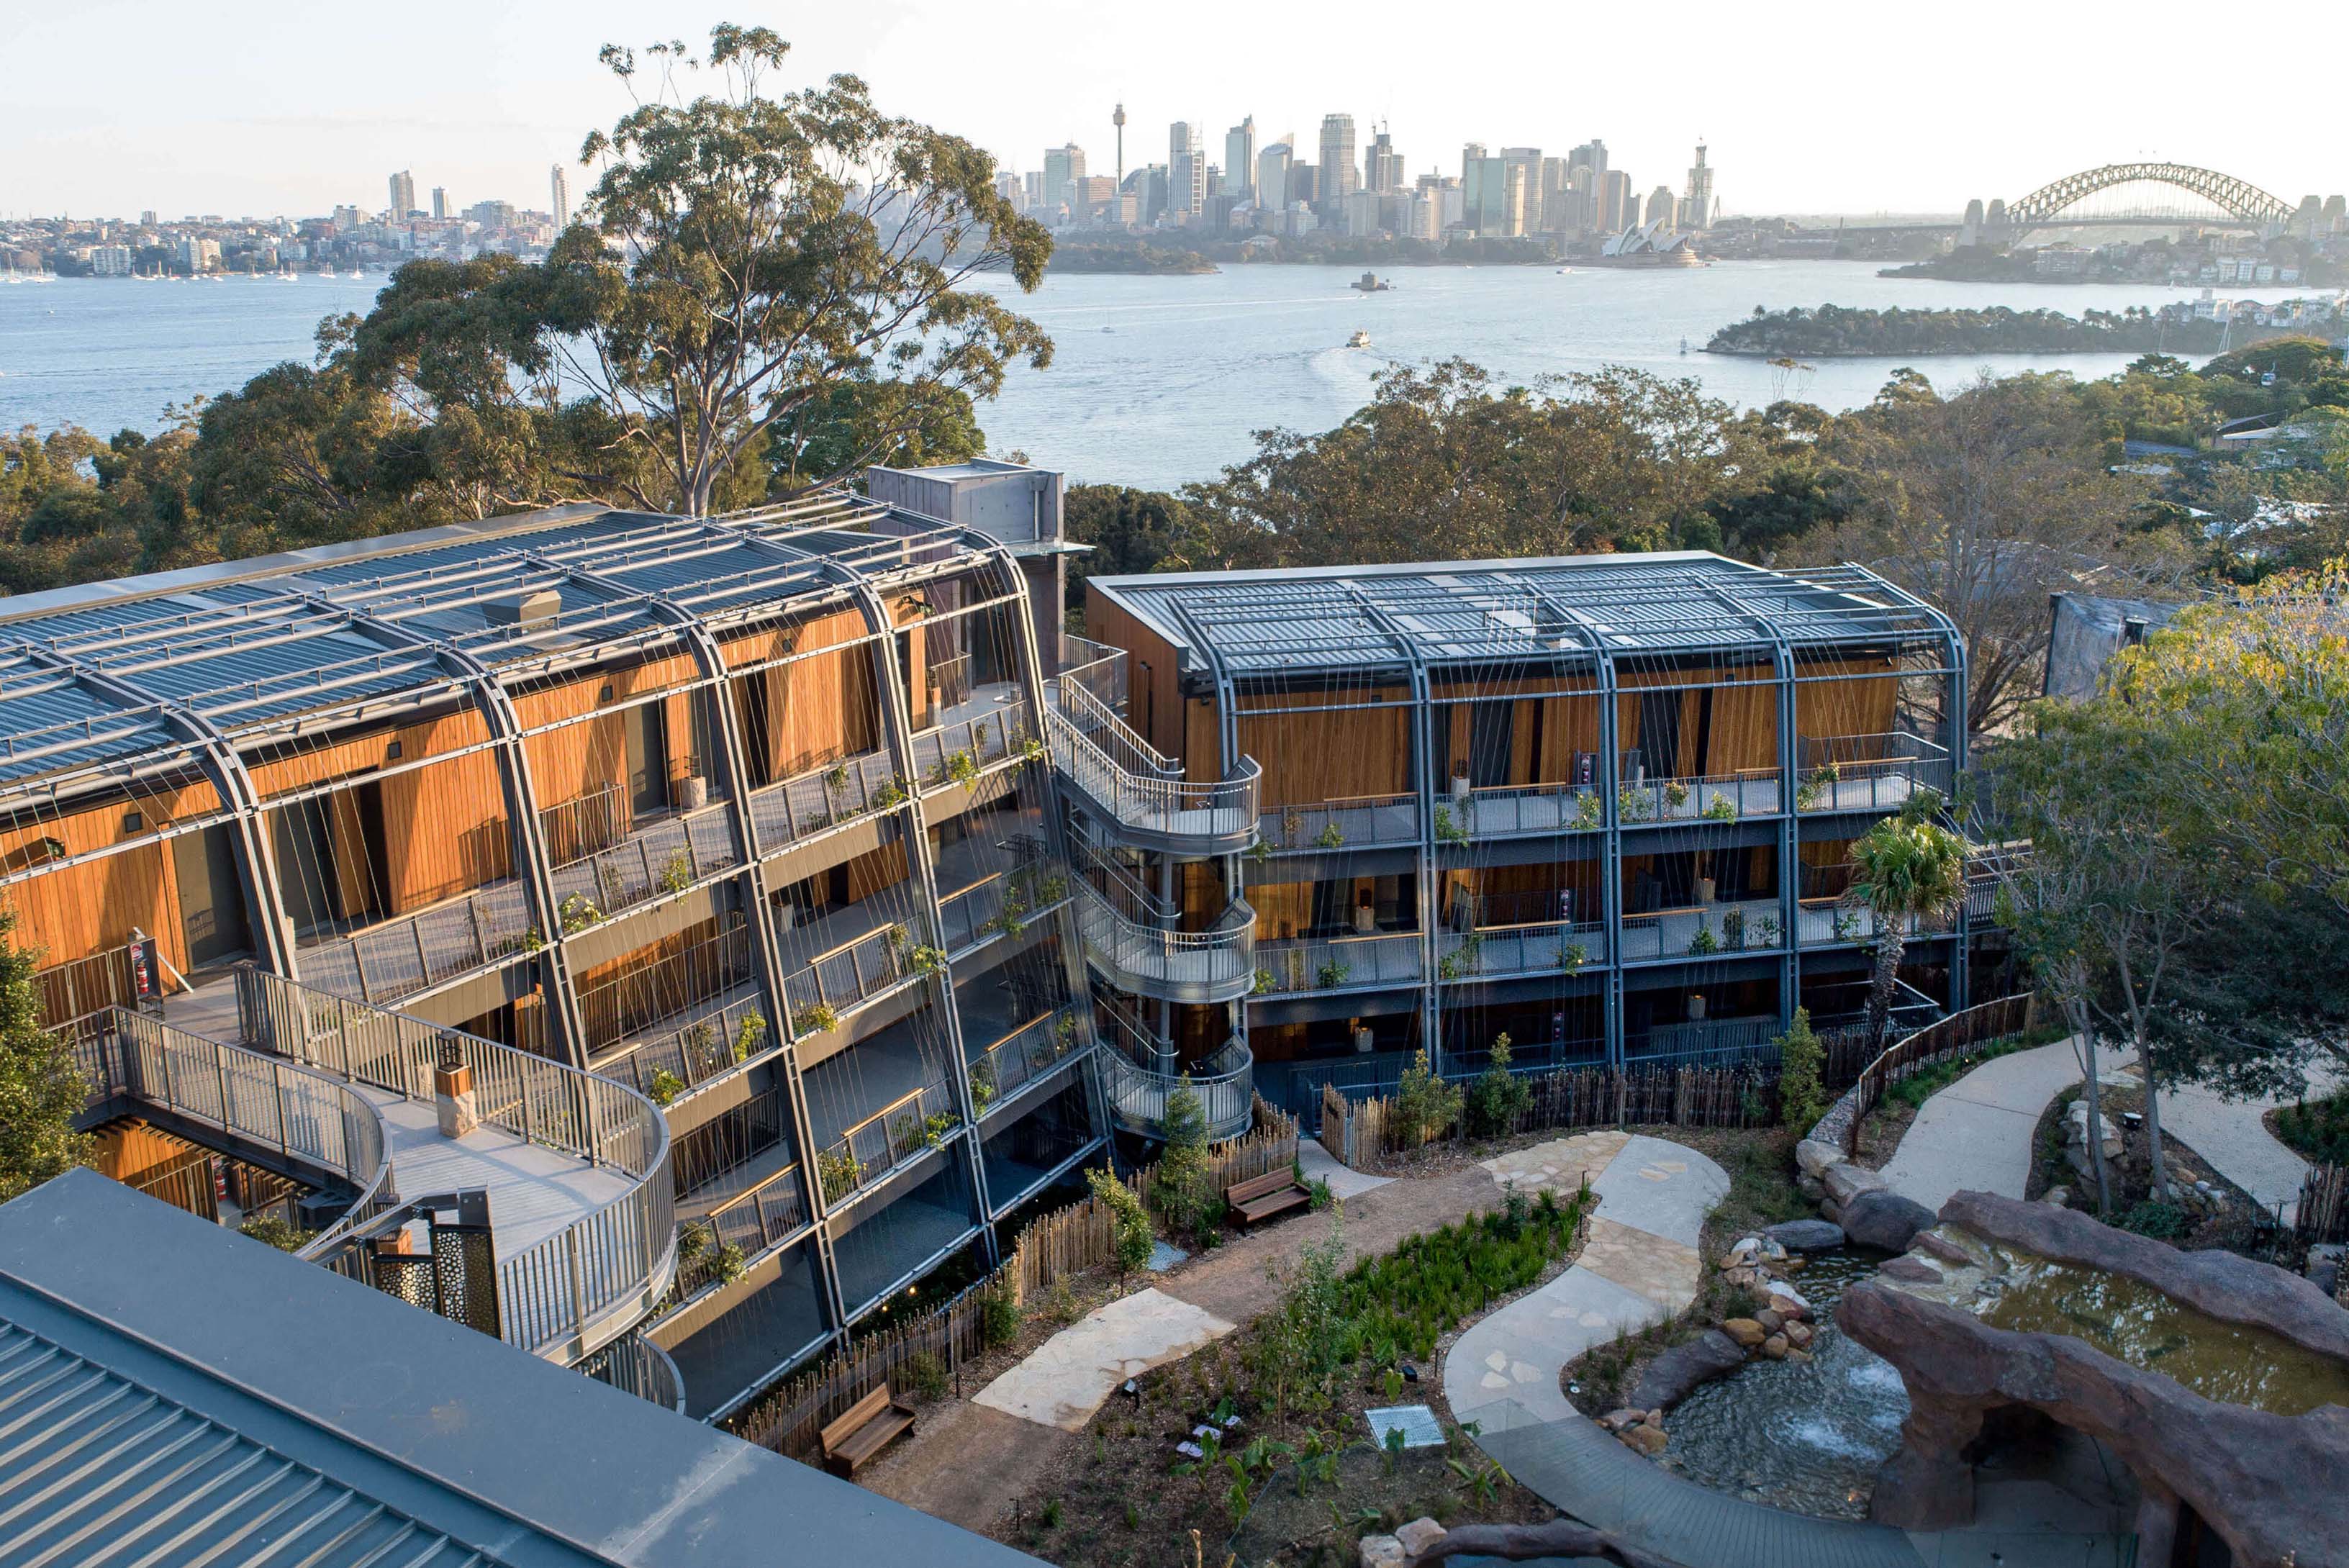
(1807, 1436)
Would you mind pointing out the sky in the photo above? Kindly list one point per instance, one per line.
(234, 107)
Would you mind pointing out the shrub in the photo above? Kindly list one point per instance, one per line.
(925, 1374)
(1332, 974)
(748, 1031)
(666, 1086)
(1329, 837)
(277, 1231)
(1182, 1183)
(1129, 1222)
(999, 1317)
(1801, 1097)
(677, 874)
(2318, 1128)
(2162, 1221)
(1499, 1096)
(814, 1020)
(1425, 1107)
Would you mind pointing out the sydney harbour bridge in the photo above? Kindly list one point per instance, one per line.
(2150, 195)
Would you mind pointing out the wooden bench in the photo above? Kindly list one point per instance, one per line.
(863, 1430)
(1274, 1192)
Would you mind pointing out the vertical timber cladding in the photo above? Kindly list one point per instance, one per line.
(578, 739)
(444, 823)
(813, 702)
(82, 910)
(1154, 706)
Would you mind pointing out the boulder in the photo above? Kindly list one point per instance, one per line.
(1671, 1376)
(1815, 1158)
(1771, 1321)
(1806, 1235)
(1774, 1347)
(1616, 1420)
(1745, 1331)
(1810, 1186)
(1799, 1335)
(1909, 1268)
(1382, 1551)
(1787, 1301)
(1935, 1244)
(1846, 1181)
(1648, 1440)
(1419, 1536)
(1884, 1219)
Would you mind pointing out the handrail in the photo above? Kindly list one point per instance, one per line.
(990, 738)
(1675, 932)
(1706, 797)
(1205, 966)
(249, 1095)
(841, 1167)
(1097, 666)
(1352, 821)
(1225, 1088)
(1038, 1046)
(1958, 1032)
(1541, 947)
(1143, 790)
(571, 1293)
(762, 1215)
(635, 1365)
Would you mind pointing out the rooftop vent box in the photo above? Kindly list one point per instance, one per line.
(529, 609)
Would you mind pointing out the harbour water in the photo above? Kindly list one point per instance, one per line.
(1154, 380)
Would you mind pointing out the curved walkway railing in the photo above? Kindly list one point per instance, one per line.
(1143, 790)
(1217, 965)
(635, 1365)
(1224, 1083)
(247, 1096)
(579, 1288)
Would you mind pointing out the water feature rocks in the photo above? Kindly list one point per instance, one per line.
(1671, 1376)
(2266, 1483)
(1644, 1438)
(1806, 1235)
(1774, 1347)
(1885, 1220)
(1745, 1331)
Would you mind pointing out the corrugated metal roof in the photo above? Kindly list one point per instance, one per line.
(97, 1468)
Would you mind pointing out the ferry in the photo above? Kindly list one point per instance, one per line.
(1359, 340)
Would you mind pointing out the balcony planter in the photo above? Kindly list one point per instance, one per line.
(1696, 1009)
(693, 793)
(1460, 782)
(452, 1100)
(1705, 890)
(1362, 1041)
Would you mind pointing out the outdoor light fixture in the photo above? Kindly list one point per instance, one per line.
(1409, 1373)
(1133, 1390)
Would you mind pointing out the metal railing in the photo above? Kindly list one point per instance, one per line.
(1143, 790)
(571, 1292)
(1032, 1051)
(1338, 964)
(412, 952)
(956, 752)
(1702, 931)
(1868, 772)
(1003, 901)
(1707, 798)
(847, 976)
(635, 1365)
(899, 1132)
(1504, 811)
(822, 799)
(1224, 1083)
(1212, 965)
(1356, 821)
(1098, 667)
(1538, 947)
(711, 1042)
(259, 1099)
(751, 1221)
(663, 858)
(1830, 922)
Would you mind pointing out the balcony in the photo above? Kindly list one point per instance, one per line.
(1001, 1073)
(988, 889)
(1097, 668)
(1518, 811)
(990, 726)
(1130, 937)
(414, 952)
(682, 1012)
(751, 1209)
(1559, 947)
(595, 880)
(811, 804)
(1357, 963)
(1358, 821)
(730, 1351)
(888, 1246)
(1831, 923)
(1875, 774)
(692, 1048)
(1707, 798)
(1704, 931)
(1140, 793)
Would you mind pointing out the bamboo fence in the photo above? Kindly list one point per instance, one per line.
(2324, 1212)
(790, 1417)
(1588, 1097)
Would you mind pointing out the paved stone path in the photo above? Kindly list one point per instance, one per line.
(1976, 1133)
(2232, 1136)
(1320, 1165)
(1639, 1265)
(1069, 1376)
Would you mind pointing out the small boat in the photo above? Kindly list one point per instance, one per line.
(1359, 340)
(1369, 283)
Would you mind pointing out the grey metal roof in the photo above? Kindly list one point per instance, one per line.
(1622, 605)
(252, 645)
(173, 1393)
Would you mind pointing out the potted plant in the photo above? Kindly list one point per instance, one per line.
(1460, 785)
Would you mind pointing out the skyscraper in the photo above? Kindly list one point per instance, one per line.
(558, 196)
(1272, 176)
(1616, 198)
(1340, 175)
(1661, 207)
(1696, 203)
(1064, 167)
(1383, 166)
(403, 195)
(440, 201)
(1187, 172)
(1239, 160)
(1484, 205)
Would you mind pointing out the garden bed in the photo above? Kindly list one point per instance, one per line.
(2316, 1129)
(1297, 1476)
(2230, 1219)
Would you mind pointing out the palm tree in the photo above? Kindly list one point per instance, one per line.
(1906, 867)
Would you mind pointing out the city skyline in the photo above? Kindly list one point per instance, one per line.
(285, 126)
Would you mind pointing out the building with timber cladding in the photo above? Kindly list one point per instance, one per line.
(800, 904)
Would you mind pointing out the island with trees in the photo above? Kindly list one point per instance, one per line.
(1136, 256)
(1834, 330)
